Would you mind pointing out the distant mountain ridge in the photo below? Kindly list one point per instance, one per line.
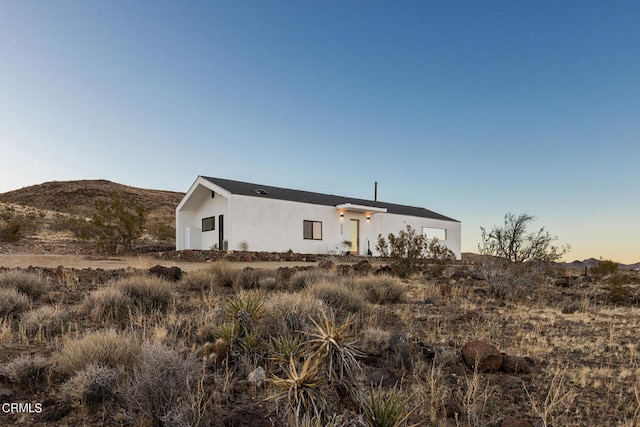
(79, 198)
(590, 262)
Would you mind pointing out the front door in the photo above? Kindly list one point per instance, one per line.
(221, 232)
(355, 236)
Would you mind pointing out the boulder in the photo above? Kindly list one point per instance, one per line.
(485, 357)
(326, 264)
(515, 364)
(363, 268)
(344, 270)
(172, 274)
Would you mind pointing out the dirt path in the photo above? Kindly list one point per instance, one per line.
(24, 260)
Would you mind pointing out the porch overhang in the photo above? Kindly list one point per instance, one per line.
(350, 207)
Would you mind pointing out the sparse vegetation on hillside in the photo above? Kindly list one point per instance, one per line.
(118, 222)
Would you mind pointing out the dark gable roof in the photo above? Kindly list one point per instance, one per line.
(259, 190)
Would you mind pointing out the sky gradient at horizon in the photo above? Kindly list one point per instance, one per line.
(470, 109)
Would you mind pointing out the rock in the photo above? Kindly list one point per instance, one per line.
(5, 395)
(427, 352)
(384, 377)
(311, 258)
(515, 364)
(363, 268)
(172, 274)
(326, 264)
(400, 351)
(485, 356)
(515, 422)
(256, 377)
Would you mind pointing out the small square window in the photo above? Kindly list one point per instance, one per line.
(209, 224)
(312, 230)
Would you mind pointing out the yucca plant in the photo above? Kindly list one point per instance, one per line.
(283, 348)
(245, 308)
(387, 409)
(300, 392)
(336, 347)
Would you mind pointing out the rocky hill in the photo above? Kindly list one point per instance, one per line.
(79, 197)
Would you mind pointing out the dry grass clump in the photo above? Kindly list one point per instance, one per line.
(93, 384)
(26, 370)
(166, 387)
(205, 280)
(148, 294)
(44, 322)
(382, 289)
(303, 279)
(286, 314)
(374, 341)
(107, 348)
(12, 302)
(339, 295)
(106, 304)
(224, 275)
(30, 284)
(251, 278)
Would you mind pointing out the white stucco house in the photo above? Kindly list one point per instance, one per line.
(223, 213)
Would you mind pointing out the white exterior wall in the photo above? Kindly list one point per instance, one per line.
(277, 225)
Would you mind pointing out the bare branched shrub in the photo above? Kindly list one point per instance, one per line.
(382, 290)
(31, 284)
(106, 304)
(165, 387)
(12, 302)
(106, 348)
(148, 294)
(46, 321)
(93, 384)
(26, 370)
(409, 251)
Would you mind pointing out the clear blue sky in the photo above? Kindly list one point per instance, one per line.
(468, 108)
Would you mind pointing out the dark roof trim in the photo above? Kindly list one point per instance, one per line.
(249, 189)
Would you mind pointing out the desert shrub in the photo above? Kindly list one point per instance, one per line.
(14, 226)
(269, 283)
(165, 387)
(618, 292)
(79, 227)
(105, 348)
(224, 274)
(249, 278)
(605, 267)
(46, 321)
(382, 290)
(339, 295)
(374, 341)
(302, 279)
(201, 281)
(93, 384)
(12, 302)
(26, 370)
(148, 293)
(106, 304)
(118, 221)
(163, 233)
(31, 284)
(286, 314)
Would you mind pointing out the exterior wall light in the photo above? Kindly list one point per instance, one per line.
(368, 217)
(341, 215)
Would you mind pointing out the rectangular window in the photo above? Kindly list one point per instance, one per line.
(438, 233)
(312, 230)
(209, 224)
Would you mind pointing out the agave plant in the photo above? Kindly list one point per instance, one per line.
(387, 410)
(300, 392)
(336, 347)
